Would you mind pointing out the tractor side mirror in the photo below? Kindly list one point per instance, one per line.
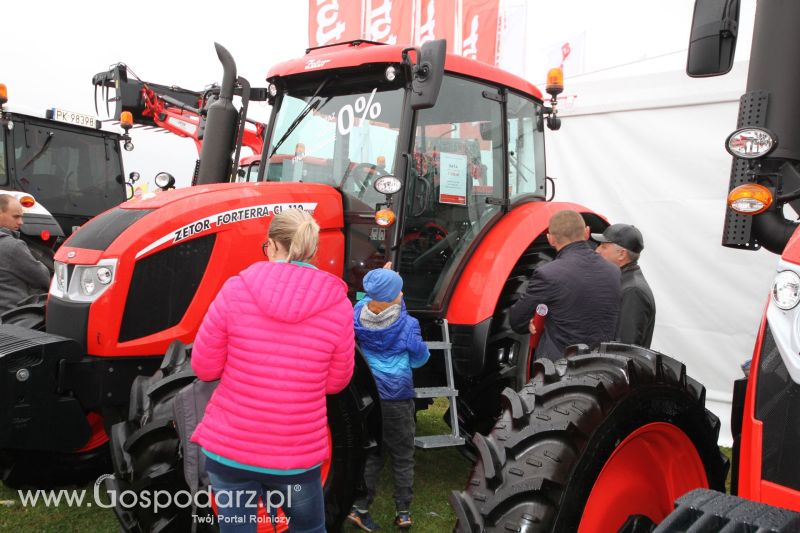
(428, 74)
(712, 43)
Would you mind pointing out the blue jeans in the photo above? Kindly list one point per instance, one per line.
(303, 503)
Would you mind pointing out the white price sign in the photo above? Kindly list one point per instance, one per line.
(71, 117)
(453, 179)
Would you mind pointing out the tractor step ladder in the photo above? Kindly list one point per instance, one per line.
(449, 391)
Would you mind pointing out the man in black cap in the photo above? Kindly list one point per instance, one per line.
(621, 244)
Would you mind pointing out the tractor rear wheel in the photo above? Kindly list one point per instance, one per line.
(147, 453)
(592, 440)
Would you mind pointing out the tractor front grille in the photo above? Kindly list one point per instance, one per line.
(163, 286)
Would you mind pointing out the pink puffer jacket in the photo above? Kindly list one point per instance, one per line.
(279, 337)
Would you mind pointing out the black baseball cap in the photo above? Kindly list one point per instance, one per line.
(623, 235)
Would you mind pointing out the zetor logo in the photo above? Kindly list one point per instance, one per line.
(221, 219)
(316, 63)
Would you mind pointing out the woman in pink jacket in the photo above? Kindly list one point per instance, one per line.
(279, 337)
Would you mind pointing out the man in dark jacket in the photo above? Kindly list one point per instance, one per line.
(580, 289)
(20, 274)
(621, 244)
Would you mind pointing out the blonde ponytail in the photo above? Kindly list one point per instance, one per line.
(296, 231)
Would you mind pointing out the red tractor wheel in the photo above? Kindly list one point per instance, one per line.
(591, 441)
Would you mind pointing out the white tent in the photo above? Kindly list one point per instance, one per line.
(649, 150)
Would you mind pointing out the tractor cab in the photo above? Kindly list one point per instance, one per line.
(70, 165)
(349, 114)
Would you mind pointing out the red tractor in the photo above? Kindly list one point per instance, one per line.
(429, 160)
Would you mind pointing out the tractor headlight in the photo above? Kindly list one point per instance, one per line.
(786, 289)
(85, 283)
(750, 143)
(60, 276)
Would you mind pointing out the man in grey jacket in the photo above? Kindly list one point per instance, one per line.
(621, 245)
(21, 275)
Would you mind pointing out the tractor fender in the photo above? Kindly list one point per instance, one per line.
(791, 252)
(478, 289)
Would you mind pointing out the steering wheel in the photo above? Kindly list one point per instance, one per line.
(359, 175)
(438, 249)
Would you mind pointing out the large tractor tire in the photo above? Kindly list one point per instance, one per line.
(591, 441)
(147, 452)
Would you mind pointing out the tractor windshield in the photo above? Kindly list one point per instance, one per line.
(343, 140)
(71, 173)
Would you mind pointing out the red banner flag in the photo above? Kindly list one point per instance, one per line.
(333, 21)
(435, 19)
(479, 29)
(470, 26)
(387, 21)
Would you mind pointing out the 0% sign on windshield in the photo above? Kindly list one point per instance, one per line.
(366, 108)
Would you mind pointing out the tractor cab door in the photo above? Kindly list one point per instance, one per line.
(455, 187)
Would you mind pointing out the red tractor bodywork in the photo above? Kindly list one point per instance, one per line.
(233, 214)
(757, 481)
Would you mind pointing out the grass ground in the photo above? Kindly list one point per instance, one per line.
(437, 473)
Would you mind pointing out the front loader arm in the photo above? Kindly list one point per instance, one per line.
(171, 108)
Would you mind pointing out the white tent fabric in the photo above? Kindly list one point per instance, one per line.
(650, 151)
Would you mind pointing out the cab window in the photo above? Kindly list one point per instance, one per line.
(525, 148)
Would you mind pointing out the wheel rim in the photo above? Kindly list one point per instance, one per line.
(645, 474)
(263, 523)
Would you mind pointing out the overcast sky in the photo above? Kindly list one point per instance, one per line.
(53, 48)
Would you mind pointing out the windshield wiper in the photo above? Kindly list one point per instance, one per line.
(38, 154)
(313, 103)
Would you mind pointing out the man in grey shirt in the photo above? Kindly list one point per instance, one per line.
(21, 275)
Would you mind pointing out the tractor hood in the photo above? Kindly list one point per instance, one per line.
(144, 273)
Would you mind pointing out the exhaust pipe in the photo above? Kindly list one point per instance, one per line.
(221, 123)
(772, 230)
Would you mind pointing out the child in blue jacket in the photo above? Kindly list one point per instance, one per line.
(393, 345)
